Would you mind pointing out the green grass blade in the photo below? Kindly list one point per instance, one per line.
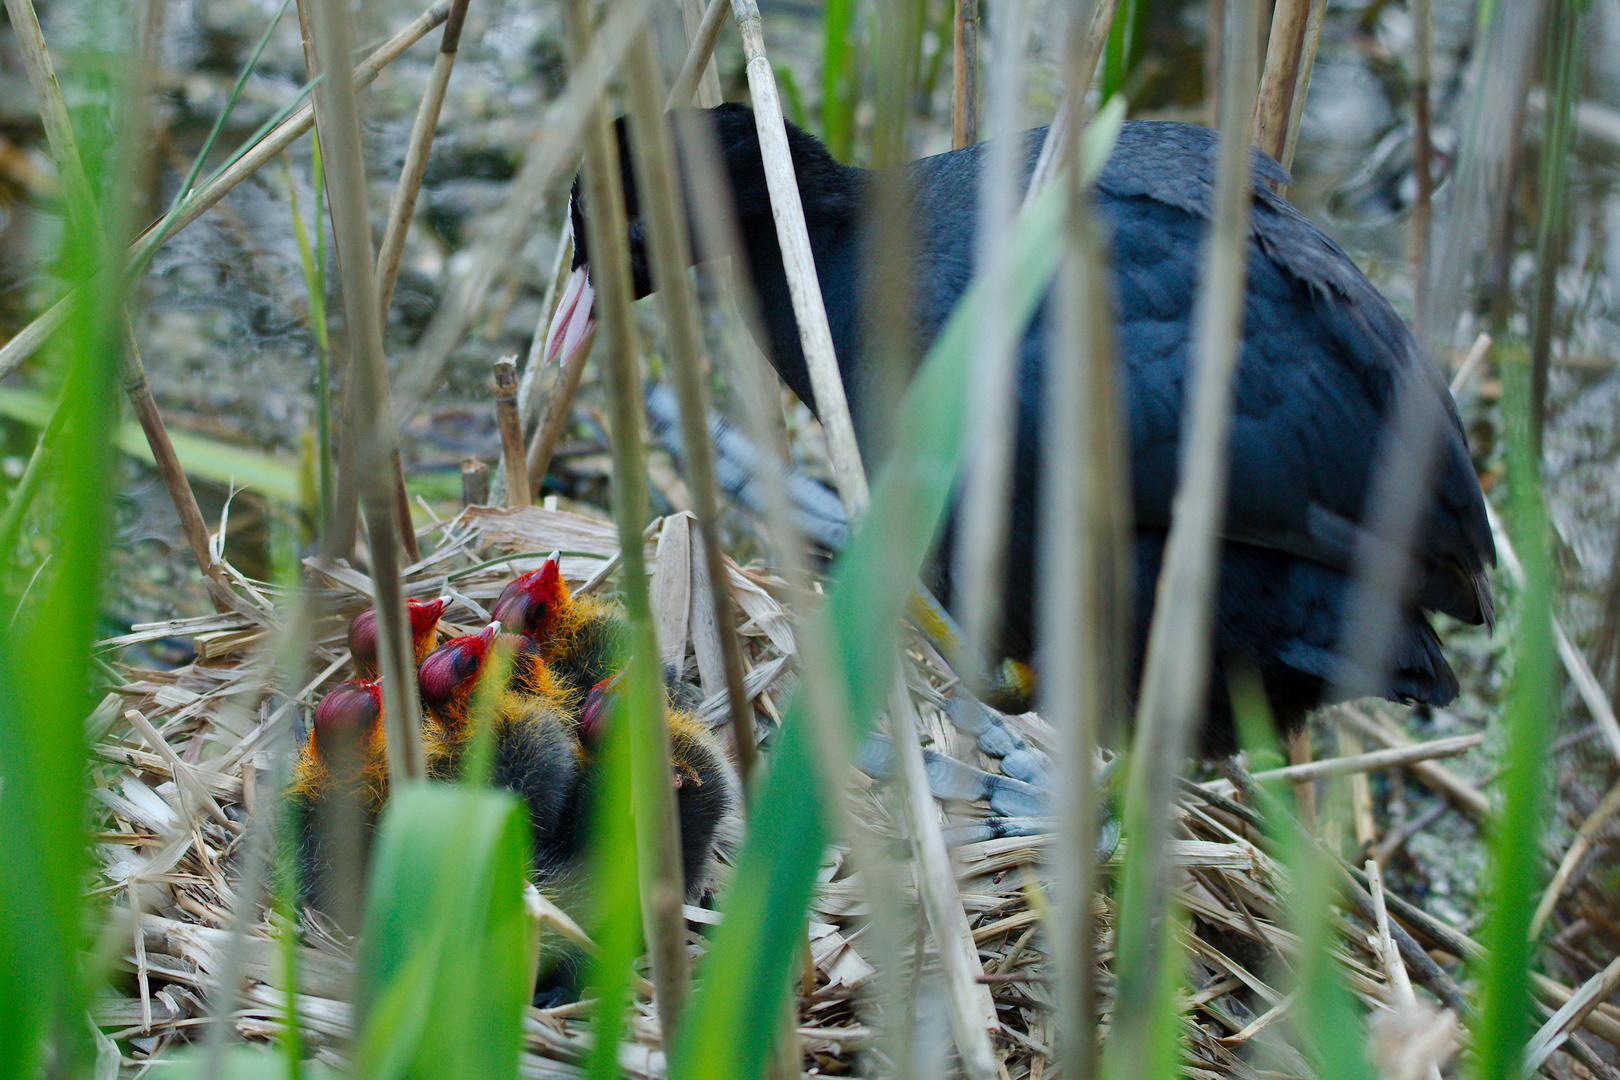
(729, 1025)
(443, 975)
(201, 456)
(839, 78)
(1503, 1023)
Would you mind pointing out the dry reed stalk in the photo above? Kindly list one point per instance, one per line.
(990, 391)
(555, 416)
(1372, 761)
(663, 208)
(1422, 144)
(555, 146)
(965, 75)
(698, 75)
(506, 417)
(832, 407)
(1364, 824)
(274, 142)
(1574, 661)
(1585, 837)
(658, 849)
(474, 483)
(371, 420)
(971, 1009)
(1084, 69)
(1085, 544)
(1464, 795)
(1307, 64)
(417, 149)
(170, 468)
(1274, 108)
(1176, 667)
(1299, 757)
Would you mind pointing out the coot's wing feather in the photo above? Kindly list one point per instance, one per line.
(1323, 356)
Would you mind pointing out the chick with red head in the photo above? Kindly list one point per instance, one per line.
(580, 638)
(340, 784)
(537, 755)
(424, 618)
(704, 781)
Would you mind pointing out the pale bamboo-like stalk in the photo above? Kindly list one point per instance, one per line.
(1585, 837)
(283, 135)
(1177, 664)
(555, 147)
(698, 75)
(1307, 63)
(1372, 761)
(968, 1002)
(1085, 563)
(990, 393)
(1279, 82)
(832, 407)
(371, 425)
(1084, 70)
(658, 846)
(664, 211)
(965, 75)
(416, 157)
(506, 418)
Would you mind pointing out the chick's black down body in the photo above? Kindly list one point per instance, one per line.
(1323, 359)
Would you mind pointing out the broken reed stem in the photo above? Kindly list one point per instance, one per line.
(416, 157)
(506, 415)
(474, 483)
(1584, 838)
(832, 407)
(169, 467)
(965, 75)
(698, 75)
(1273, 109)
(528, 392)
(371, 420)
(555, 417)
(663, 208)
(658, 848)
(968, 1003)
(283, 135)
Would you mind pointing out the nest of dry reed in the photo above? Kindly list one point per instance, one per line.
(187, 757)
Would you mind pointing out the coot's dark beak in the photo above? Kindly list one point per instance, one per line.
(572, 322)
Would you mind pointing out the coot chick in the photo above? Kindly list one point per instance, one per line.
(424, 620)
(340, 785)
(580, 638)
(1323, 359)
(705, 783)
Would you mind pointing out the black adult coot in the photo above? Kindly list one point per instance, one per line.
(1323, 358)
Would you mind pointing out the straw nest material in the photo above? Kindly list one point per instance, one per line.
(188, 760)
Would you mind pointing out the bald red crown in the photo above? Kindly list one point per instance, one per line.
(424, 617)
(530, 602)
(348, 713)
(454, 665)
(597, 712)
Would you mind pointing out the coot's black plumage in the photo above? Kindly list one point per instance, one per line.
(1324, 357)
